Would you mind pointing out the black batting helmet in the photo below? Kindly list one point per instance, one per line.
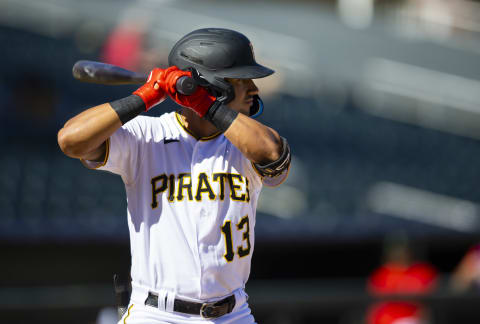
(213, 54)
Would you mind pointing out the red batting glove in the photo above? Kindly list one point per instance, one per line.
(200, 101)
(151, 96)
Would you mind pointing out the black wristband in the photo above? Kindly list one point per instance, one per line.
(221, 116)
(128, 108)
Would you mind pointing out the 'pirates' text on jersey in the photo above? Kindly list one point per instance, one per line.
(191, 206)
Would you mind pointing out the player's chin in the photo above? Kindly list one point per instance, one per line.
(243, 108)
(246, 108)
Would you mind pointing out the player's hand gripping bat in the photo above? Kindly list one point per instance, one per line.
(103, 73)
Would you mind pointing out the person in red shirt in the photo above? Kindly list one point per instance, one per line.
(400, 274)
(124, 46)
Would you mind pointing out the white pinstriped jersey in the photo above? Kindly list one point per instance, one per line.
(191, 207)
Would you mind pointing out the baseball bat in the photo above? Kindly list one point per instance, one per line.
(108, 74)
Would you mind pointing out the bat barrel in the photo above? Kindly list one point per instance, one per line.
(103, 73)
(108, 74)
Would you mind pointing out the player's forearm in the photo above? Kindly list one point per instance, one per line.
(83, 135)
(87, 131)
(259, 143)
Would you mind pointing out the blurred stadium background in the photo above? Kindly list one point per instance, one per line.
(380, 101)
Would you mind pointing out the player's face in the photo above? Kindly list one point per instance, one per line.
(244, 89)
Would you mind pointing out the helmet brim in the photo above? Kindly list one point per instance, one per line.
(245, 72)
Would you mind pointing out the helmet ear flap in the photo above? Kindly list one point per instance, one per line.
(198, 78)
(217, 87)
(225, 88)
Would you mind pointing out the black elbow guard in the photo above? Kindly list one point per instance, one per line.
(275, 168)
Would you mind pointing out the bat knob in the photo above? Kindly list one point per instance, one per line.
(186, 85)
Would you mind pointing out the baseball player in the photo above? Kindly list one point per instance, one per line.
(192, 178)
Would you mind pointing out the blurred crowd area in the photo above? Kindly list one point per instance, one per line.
(380, 102)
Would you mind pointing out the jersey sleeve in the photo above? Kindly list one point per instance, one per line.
(125, 150)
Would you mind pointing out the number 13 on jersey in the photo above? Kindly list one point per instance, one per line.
(243, 226)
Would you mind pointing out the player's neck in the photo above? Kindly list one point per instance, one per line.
(197, 125)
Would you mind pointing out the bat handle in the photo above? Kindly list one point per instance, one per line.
(186, 85)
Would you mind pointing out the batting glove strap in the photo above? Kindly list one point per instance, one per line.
(221, 116)
(128, 108)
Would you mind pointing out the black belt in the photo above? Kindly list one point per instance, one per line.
(206, 310)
